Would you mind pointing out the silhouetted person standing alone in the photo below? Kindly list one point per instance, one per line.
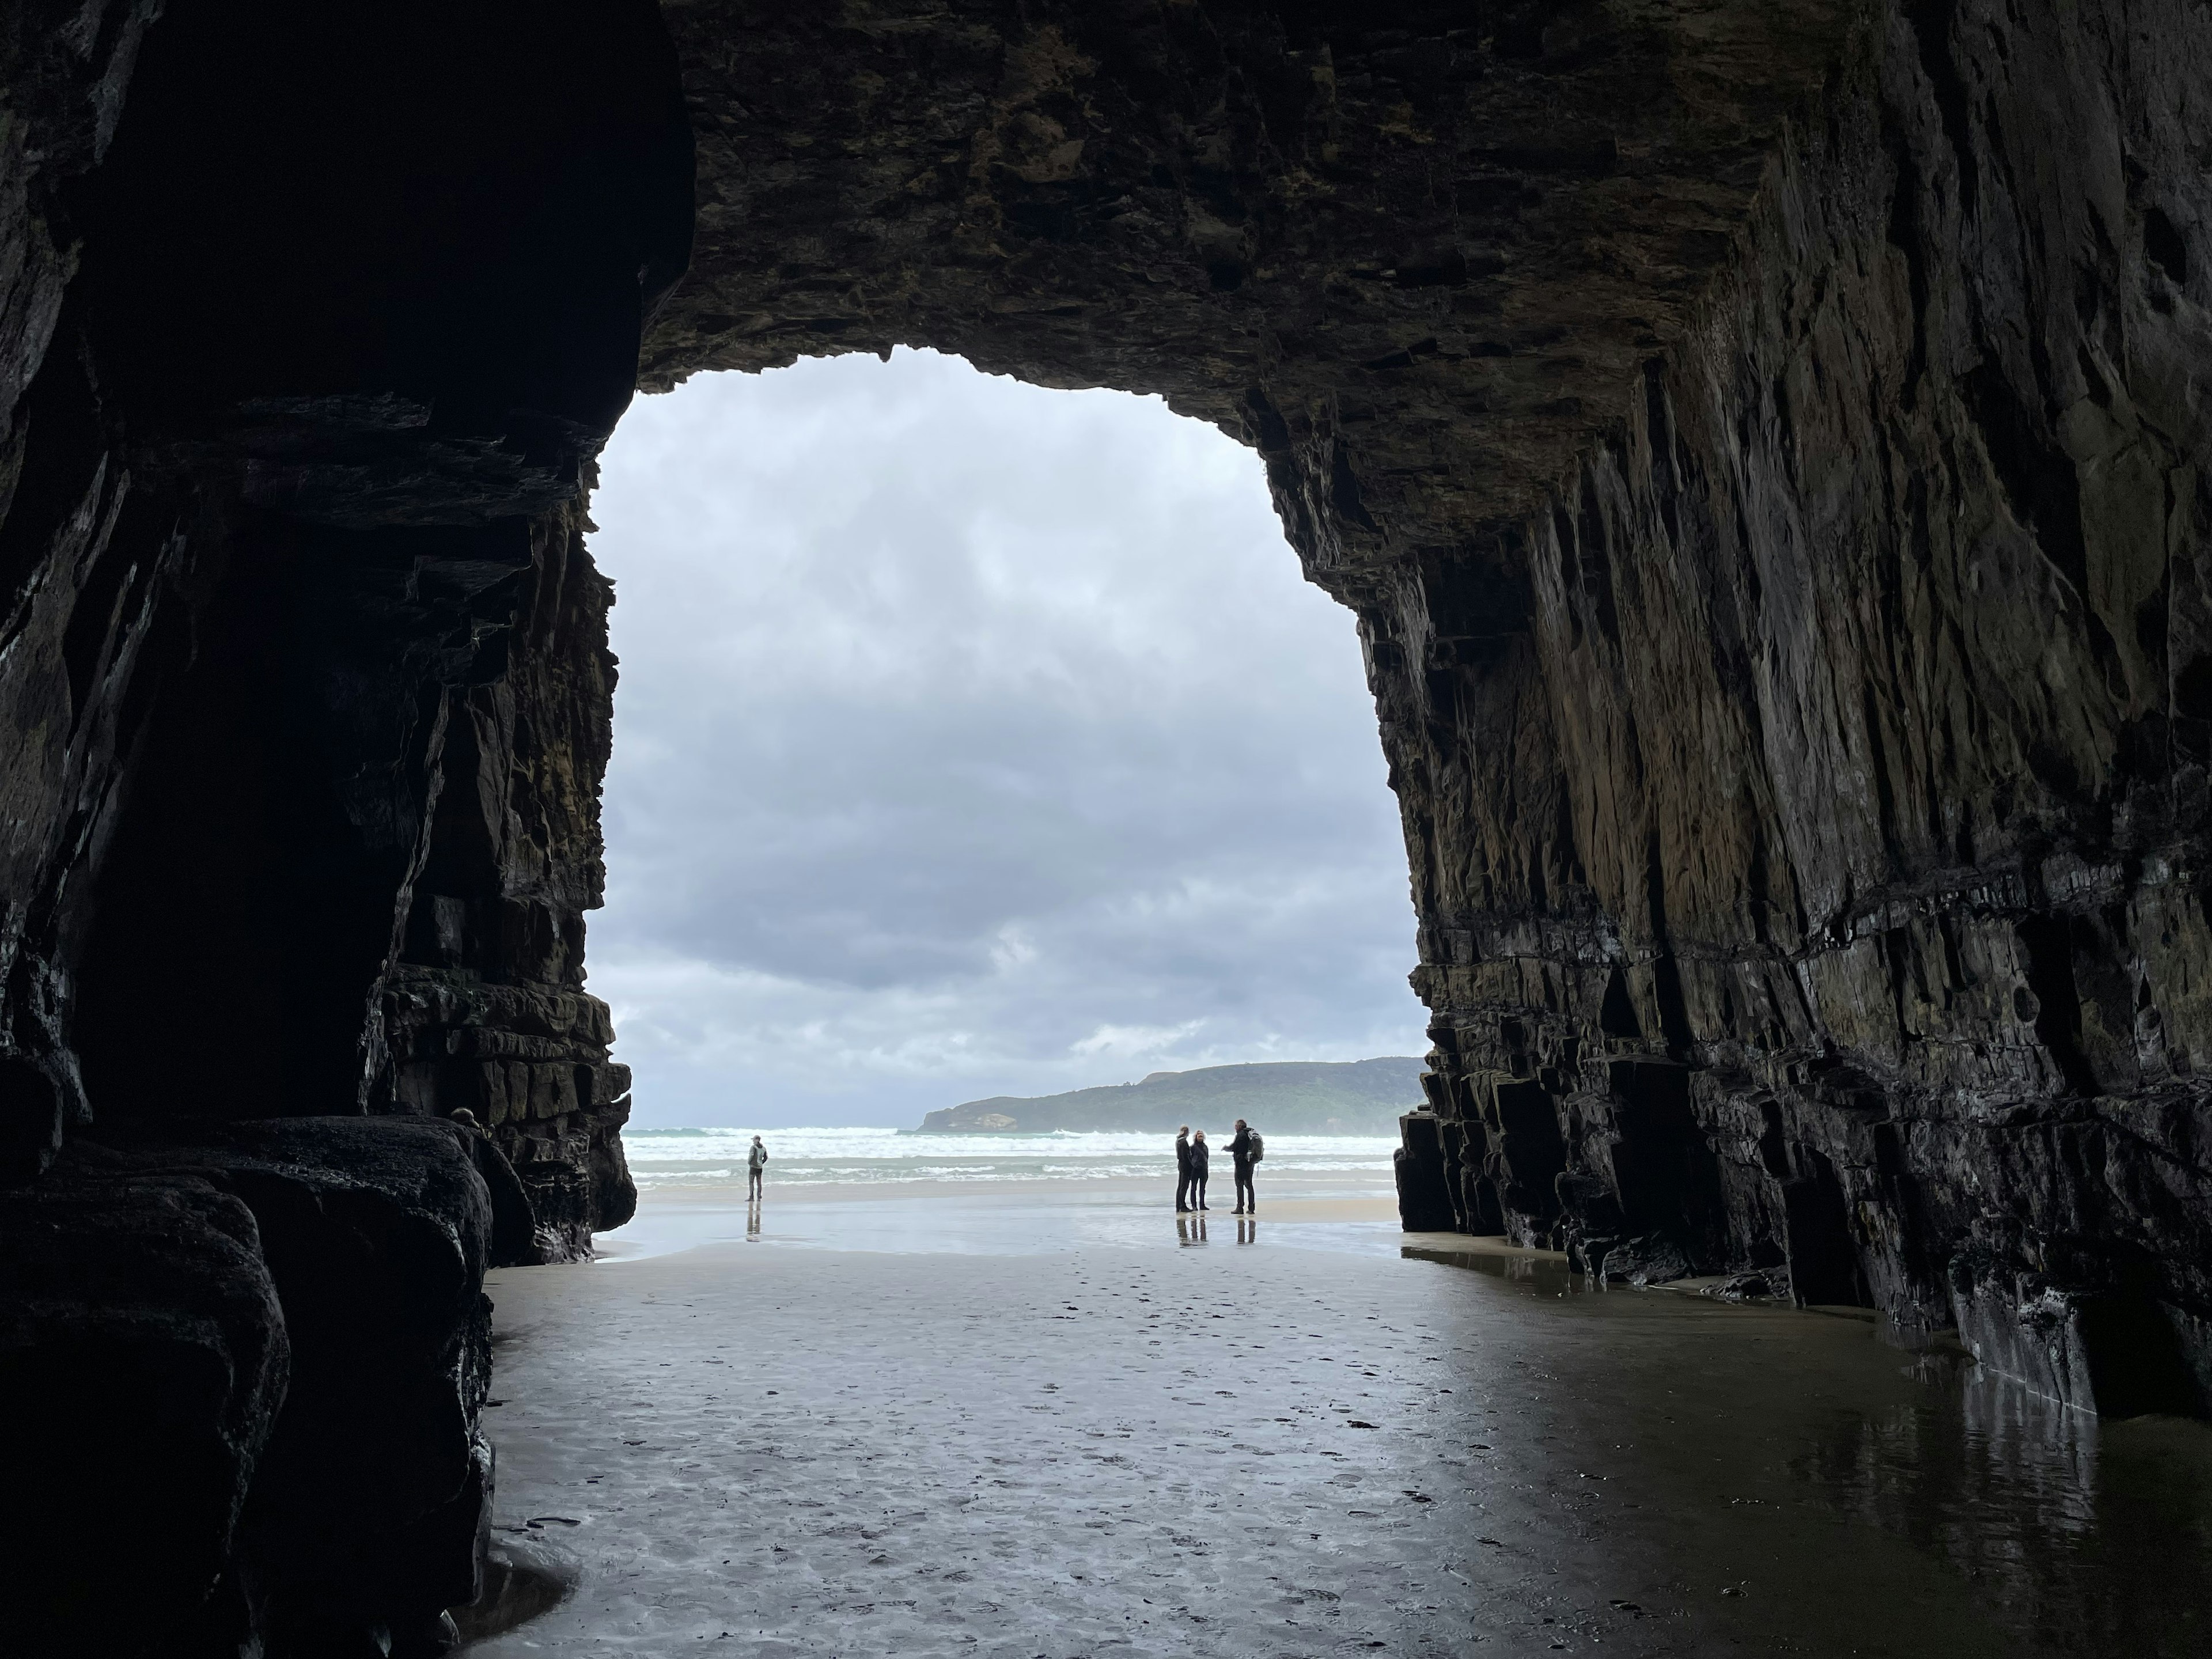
(1197, 1160)
(755, 1161)
(1243, 1154)
(1183, 1169)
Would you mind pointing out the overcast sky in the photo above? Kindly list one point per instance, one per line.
(974, 739)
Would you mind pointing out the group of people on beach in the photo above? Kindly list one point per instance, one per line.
(1246, 1149)
(1192, 1158)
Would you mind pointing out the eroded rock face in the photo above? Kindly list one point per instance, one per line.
(305, 695)
(259, 1351)
(143, 1362)
(1838, 909)
(305, 652)
(370, 1500)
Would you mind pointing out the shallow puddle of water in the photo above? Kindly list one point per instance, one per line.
(2070, 1534)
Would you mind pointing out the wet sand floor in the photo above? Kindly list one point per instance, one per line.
(1276, 1449)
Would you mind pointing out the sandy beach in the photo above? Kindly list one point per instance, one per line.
(997, 1218)
(921, 1424)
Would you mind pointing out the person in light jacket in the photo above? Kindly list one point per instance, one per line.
(756, 1162)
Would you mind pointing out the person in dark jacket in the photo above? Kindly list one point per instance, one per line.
(1182, 1169)
(1240, 1163)
(1198, 1159)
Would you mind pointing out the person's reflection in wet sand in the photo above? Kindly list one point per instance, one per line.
(752, 1221)
(1248, 1230)
(1190, 1229)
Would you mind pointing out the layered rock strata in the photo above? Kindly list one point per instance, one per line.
(1831, 903)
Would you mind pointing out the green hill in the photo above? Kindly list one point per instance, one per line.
(1287, 1097)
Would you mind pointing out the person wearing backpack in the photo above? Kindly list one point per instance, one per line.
(1244, 1151)
(756, 1164)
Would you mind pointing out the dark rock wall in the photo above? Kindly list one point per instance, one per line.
(144, 1360)
(1440, 241)
(388, 353)
(484, 1008)
(63, 480)
(258, 1353)
(300, 413)
(306, 694)
(1832, 902)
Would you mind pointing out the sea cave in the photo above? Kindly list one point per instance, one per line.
(1767, 450)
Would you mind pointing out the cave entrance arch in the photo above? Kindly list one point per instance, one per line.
(1513, 314)
(370, 367)
(394, 354)
(973, 738)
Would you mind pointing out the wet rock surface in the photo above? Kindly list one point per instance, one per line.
(303, 649)
(304, 679)
(143, 1363)
(265, 1343)
(1258, 1449)
(1837, 917)
(368, 1500)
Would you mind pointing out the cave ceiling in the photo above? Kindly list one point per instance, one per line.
(1425, 248)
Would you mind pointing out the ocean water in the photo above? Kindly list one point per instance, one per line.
(808, 1156)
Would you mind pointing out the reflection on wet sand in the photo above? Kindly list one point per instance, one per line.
(1329, 1211)
(2095, 1535)
(1191, 1229)
(1024, 1425)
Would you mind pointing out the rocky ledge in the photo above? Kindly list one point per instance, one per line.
(267, 1345)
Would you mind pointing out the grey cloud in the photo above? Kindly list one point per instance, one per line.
(974, 739)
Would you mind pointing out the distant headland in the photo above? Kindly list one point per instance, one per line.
(1297, 1096)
